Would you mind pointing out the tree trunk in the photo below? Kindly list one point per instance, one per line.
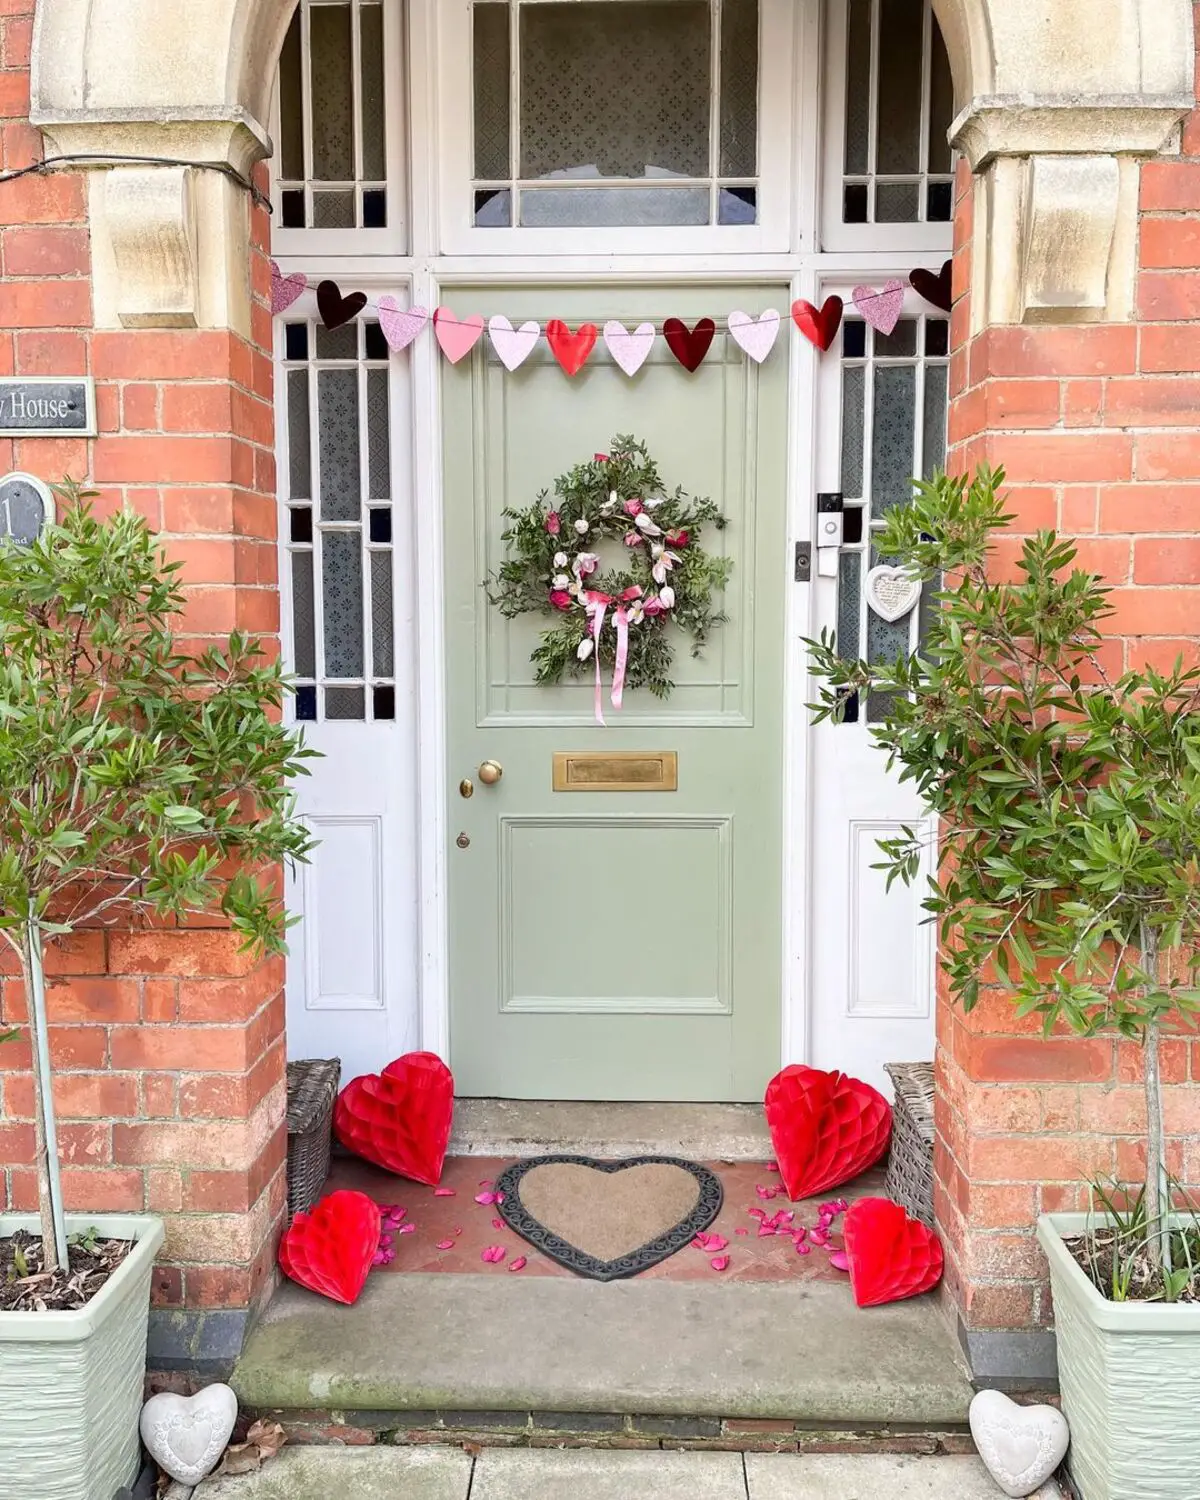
(49, 1186)
(1158, 1205)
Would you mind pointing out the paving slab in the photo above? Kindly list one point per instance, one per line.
(801, 1351)
(532, 1127)
(585, 1474)
(351, 1473)
(880, 1476)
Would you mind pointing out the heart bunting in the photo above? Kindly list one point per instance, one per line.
(825, 1128)
(881, 307)
(286, 289)
(936, 287)
(456, 336)
(629, 350)
(335, 309)
(689, 345)
(891, 1256)
(571, 349)
(330, 1249)
(819, 324)
(400, 324)
(400, 1118)
(513, 346)
(756, 339)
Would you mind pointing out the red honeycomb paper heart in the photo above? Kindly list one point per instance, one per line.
(826, 1128)
(891, 1256)
(400, 1118)
(330, 1249)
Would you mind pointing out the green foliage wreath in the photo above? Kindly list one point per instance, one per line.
(557, 567)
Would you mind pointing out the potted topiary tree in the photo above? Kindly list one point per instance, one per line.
(135, 782)
(1069, 863)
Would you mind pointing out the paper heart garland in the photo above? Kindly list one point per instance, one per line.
(1021, 1446)
(456, 336)
(629, 350)
(571, 349)
(330, 1249)
(336, 309)
(689, 345)
(755, 339)
(186, 1435)
(891, 1255)
(400, 324)
(881, 307)
(512, 345)
(286, 289)
(892, 592)
(819, 324)
(825, 1128)
(400, 1119)
(936, 287)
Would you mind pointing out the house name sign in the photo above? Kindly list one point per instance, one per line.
(47, 406)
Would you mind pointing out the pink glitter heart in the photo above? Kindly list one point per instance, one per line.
(400, 324)
(286, 289)
(881, 309)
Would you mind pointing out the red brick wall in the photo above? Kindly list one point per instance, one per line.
(168, 1044)
(1098, 428)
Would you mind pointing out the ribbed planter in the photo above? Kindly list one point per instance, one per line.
(71, 1382)
(1130, 1379)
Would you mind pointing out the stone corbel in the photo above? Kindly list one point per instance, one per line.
(150, 217)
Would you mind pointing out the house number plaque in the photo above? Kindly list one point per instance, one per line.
(617, 771)
(47, 406)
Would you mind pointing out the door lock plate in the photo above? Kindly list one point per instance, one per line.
(803, 573)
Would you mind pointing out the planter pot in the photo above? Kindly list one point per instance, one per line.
(71, 1382)
(1130, 1379)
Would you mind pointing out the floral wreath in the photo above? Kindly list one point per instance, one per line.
(662, 575)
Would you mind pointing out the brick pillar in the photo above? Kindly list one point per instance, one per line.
(168, 1043)
(1098, 427)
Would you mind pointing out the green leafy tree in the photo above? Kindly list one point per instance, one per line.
(1068, 799)
(136, 781)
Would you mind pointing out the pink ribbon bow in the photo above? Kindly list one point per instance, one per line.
(597, 604)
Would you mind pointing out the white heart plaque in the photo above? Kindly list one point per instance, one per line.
(1021, 1446)
(186, 1435)
(892, 592)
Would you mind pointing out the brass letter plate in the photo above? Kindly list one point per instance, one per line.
(617, 771)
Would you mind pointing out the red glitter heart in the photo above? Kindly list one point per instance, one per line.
(400, 1118)
(826, 1128)
(891, 1256)
(330, 1249)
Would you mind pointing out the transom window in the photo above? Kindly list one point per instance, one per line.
(614, 113)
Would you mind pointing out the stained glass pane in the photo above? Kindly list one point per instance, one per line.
(893, 435)
(378, 437)
(897, 202)
(333, 210)
(332, 86)
(491, 76)
(739, 88)
(858, 89)
(849, 598)
(901, 45)
(299, 437)
(337, 343)
(853, 406)
(934, 436)
(342, 597)
(941, 104)
(341, 490)
(345, 703)
(374, 164)
(304, 627)
(381, 613)
(291, 106)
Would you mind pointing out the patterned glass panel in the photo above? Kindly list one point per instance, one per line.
(299, 437)
(381, 613)
(378, 436)
(337, 343)
(739, 88)
(337, 406)
(854, 383)
(491, 84)
(545, 208)
(901, 23)
(304, 623)
(333, 210)
(941, 105)
(849, 593)
(342, 600)
(858, 88)
(332, 85)
(291, 104)
(897, 202)
(374, 162)
(934, 433)
(345, 703)
(893, 436)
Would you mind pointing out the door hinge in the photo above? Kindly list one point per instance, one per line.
(803, 562)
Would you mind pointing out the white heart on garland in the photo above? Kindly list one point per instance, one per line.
(512, 345)
(755, 339)
(629, 350)
(186, 1435)
(1021, 1446)
(892, 592)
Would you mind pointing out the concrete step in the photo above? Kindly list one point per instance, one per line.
(521, 1127)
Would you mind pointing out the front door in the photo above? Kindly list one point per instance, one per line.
(608, 943)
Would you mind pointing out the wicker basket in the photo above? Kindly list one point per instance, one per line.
(910, 1163)
(312, 1086)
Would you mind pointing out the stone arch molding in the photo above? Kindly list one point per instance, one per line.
(1057, 102)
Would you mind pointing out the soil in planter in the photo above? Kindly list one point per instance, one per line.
(1098, 1255)
(25, 1287)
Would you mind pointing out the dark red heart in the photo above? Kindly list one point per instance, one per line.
(891, 1256)
(825, 1128)
(819, 324)
(938, 288)
(689, 345)
(330, 1250)
(570, 349)
(336, 309)
(400, 1118)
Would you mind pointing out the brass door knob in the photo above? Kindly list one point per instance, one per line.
(490, 772)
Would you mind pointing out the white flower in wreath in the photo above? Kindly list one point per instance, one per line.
(585, 564)
(561, 581)
(584, 649)
(664, 561)
(654, 503)
(636, 612)
(560, 559)
(667, 597)
(646, 525)
(582, 526)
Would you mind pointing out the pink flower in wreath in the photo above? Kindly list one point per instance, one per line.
(634, 507)
(561, 599)
(678, 538)
(601, 458)
(553, 524)
(652, 607)
(633, 538)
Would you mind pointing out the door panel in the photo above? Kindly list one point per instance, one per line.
(616, 943)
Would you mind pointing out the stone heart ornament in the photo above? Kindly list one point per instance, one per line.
(1021, 1446)
(892, 592)
(186, 1435)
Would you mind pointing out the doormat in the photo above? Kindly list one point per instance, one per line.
(608, 1219)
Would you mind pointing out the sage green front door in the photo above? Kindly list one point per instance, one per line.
(607, 943)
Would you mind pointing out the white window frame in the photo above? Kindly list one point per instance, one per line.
(777, 113)
(392, 240)
(926, 237)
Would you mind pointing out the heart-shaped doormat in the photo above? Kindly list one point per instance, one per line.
(608, 1219)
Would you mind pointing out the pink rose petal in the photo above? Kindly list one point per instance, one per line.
(445, 1193)
(487, 1199)
(485, 1182)
(493, 1254)
(700, 1241)
(820, 1238)
(497, 1223)
(765, 1231)
(839, 1260)
(741, 1231)
(717, 1242)
(799, 1234)
(407, 1229)
(772, 1166)
(720, 1263)
(519, 1264)
(803, 1249)
(445, 1244)
(757, 1213)
(767, 1193)
(458, 1229)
